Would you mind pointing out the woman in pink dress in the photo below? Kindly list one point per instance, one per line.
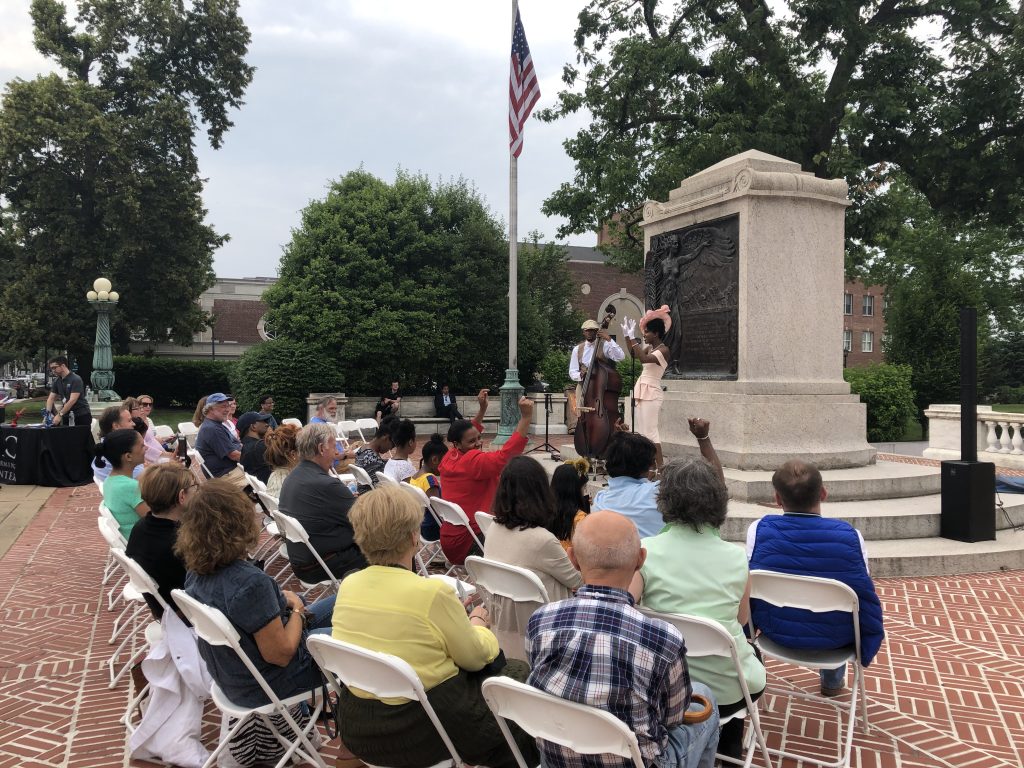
(653, 353)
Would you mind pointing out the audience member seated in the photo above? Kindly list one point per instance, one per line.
(690, 569)
(389, 404)
(469, 476)
(214, 443)
(326, 410)
(572, 503)
(445, 405)
(146, 404)
(427, 480)
(114, 417)
(153, 450)
(122, 449)
(280, 455)
(523, 509)
(164, 489)
(389, 608)
(803, 542)
(370, 457)
(253, 426)
(597, 649)
(198, 416)
(629, 459)
(266, 403)
(321, 503)
(217, 531)
(403, 440)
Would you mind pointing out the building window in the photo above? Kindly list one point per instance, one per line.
(847, 303)
(585, 289)
(264, 330)
(869, 305)
(867, 341)
(847, 340)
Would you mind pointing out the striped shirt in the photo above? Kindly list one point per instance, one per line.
(597, 649)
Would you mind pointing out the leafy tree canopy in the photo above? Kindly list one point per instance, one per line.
(410, 280)
(98, 174)
(840, 86)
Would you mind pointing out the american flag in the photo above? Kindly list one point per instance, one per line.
(523, 88)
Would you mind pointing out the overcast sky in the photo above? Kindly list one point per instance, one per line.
(378, 83)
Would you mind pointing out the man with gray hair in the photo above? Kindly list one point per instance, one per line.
(219, 449)
(321, 503)
(597, 649)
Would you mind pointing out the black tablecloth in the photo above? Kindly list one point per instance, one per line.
(59, 456)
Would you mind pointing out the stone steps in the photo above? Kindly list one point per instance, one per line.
(882, 480)
(943, 557)
(916, 517)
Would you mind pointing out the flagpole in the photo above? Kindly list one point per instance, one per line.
(512, 390)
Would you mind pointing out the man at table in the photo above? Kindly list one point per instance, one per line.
(70, 389)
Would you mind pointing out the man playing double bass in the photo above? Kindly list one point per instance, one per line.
(583, 354)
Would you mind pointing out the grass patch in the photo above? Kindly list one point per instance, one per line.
(1009, 408)
(33, 413)
(912, 431)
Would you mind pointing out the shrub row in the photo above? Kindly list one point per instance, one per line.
(887, 392)
(172, 383)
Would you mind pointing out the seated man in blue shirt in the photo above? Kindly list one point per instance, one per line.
(803, 542)
(597, 649)
(219, 449)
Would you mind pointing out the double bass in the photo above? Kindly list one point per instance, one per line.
(599, 409)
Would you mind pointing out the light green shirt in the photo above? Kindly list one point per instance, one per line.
(121, 496)
(699, 574)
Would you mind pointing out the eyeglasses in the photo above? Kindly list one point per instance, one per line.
(145, 405)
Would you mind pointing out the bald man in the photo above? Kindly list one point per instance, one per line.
(578, 649)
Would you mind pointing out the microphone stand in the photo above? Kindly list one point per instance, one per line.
(546, 446)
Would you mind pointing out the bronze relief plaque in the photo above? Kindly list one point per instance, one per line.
(695, 271)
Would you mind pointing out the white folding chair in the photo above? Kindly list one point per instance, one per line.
(146, 585)
(453, 514)
(295, 532)
(163, 433)
(294, 422)
(368, 424)
(383, 479)
(190, 431)
(348, 427)
(381, 674)
(585, 730)
(706, 637)
(429, 548)
(197, 461)
(484, 520)
(257, 484)
(274, 547)
(362, 477)
(521, 586)
(213, 626)
(810, 593)
(127, 622)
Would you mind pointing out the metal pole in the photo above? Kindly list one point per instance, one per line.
(511, 389)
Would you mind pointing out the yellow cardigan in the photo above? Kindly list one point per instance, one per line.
(420, 620)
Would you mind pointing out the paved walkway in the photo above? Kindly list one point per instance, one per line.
(947, 689)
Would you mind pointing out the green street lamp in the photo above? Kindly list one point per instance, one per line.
(103, 300)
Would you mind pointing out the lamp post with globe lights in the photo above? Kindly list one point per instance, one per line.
(103, 300)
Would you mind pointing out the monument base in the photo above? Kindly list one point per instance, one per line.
(761, 429)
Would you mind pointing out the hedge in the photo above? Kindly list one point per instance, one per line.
(172, 383)
(287, 370)
(887, 392)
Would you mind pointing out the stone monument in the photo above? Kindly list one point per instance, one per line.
(748, 254)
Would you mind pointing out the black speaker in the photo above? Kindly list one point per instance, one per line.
(968, 501)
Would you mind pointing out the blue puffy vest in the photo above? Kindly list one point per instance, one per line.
(810, 545)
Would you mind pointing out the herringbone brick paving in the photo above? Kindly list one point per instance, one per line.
(946, 691)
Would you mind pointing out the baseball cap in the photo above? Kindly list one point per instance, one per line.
(217, 397)
(247, 419)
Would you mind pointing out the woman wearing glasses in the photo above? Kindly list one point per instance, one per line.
(140, 408)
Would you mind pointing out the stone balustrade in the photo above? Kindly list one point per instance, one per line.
(999, 435)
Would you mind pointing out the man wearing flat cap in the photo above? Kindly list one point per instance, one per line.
(595, 338)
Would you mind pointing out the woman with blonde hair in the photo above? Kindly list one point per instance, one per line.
(199, 416)
(281, 455)
(165, 488)
(388, 607)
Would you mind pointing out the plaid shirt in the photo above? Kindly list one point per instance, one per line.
(597, 649)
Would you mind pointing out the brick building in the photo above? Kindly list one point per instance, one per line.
(863, 323)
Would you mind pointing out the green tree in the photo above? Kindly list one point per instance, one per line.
(287, 370)
(546, 318)
(842, 87)
(889, 396)
(98, 172)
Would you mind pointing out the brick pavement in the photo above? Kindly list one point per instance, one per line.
(946, 689)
